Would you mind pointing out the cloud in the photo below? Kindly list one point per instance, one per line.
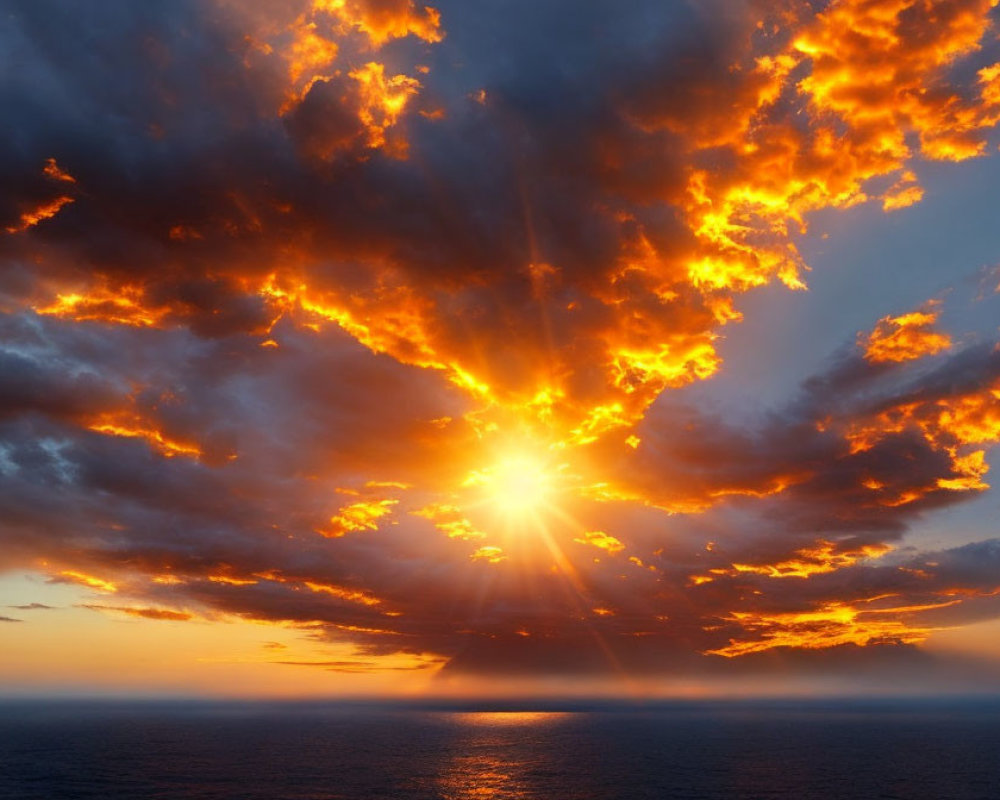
(645, 214)
(287, 285)
(906, 337)
(143, 613)
(357, 667)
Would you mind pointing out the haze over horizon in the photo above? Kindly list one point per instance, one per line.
(362, 348)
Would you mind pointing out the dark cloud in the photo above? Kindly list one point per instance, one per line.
(814, 449)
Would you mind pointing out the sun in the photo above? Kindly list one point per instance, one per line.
(517, 485)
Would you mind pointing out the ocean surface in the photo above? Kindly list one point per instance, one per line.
(709, 751)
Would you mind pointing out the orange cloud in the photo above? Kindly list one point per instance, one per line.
(450, 520)
(143, 613)
(232, 581)
(949, 425)
(82, 578)
(312, 48)
(831, 625)
(823, 558)
(602, 541)
(489, 553)
(880, 68)
(343, 593)
(124, 306)
(383, 99)
(132, 426)
(382, 20)
(54, 171)
(42, 212)
(905, 338)
(361, 516)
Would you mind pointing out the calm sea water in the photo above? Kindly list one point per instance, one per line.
(708, 752)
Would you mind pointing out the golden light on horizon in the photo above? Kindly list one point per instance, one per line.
(511, 718)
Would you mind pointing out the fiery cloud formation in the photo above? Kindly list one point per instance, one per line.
(361, 324)
(905, 337)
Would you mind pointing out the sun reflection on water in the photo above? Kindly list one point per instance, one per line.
(490, 758)
(510, 717)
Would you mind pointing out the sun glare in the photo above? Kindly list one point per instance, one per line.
(518, 485)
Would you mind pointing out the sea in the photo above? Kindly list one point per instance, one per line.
(780, 750)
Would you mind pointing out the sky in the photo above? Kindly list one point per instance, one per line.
(368, 348)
